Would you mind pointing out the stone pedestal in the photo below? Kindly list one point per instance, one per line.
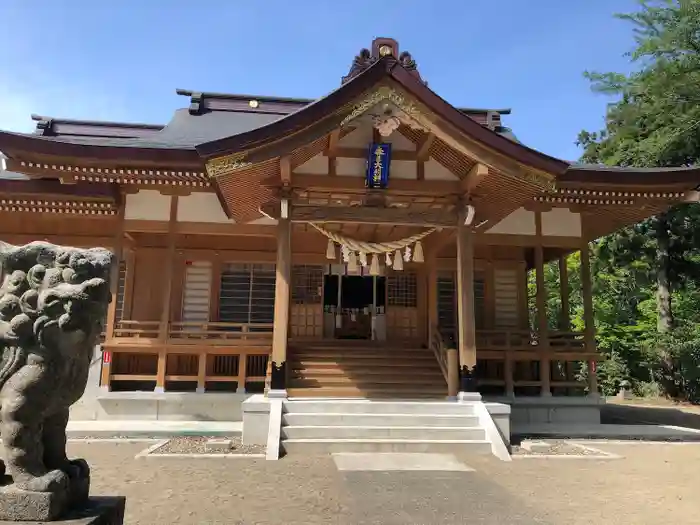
(107, 510)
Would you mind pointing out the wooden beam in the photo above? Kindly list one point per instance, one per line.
(117, 248)
(465, 307)
(280, 334)
(564, 322)
(286, 170)
(587, 292)
(169, 270)
(333, 140)
(361, 153)
(474, 177)
(425, 188)
(424, 147)
(541, 301)
(367, 215)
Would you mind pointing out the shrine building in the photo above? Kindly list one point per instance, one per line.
(373, 243)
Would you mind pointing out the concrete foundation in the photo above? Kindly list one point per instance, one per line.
(256, 420)
(526, 411)
(173, 406)
(500, 413)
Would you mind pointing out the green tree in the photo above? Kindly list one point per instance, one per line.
(655, 122)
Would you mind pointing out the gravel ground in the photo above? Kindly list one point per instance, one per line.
(197, 445)
(555, 448)
(651, 485)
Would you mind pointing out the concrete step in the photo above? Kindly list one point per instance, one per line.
(384, 432)
(361, 382)
(340, 419)
(380, 369)
(364, 354)
(396, 391)
(362, 362)
(365, 406)
(325, 446)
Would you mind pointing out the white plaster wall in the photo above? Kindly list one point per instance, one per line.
(561, 222)
(350, 167)
(201, 207)
(317, 165)
(148, 205)
(433, 170)
(403, 169)
(520, 222)
(359, 138)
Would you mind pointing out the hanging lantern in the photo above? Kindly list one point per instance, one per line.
(418, 253)
(363, 259)
(398, 261)
(330, 250)
(352, 262)
(374, 267)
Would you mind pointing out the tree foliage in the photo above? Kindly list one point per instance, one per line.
(647, 276)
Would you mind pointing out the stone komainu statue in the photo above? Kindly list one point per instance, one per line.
(53, 301)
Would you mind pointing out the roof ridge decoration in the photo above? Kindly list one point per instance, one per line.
(381, 47)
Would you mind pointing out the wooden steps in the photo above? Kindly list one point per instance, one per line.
(363, 369)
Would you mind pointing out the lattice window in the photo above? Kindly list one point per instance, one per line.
(447, 302)
(247, 293)
(196, 291)
(121, 288)
(307, 284)
(402, 290)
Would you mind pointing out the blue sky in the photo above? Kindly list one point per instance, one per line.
(122, 60)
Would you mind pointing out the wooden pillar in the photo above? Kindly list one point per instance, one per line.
(588, 317)
(541, 301)
(168, 273)
(117, 247)
(564, 321)
(465, 307)
(278, 379)
(452, 372)
(422, 305)
(431, 264)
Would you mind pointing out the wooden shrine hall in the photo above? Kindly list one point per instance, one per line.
(374, 242)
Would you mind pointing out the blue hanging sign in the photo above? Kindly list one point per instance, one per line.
(378, 162)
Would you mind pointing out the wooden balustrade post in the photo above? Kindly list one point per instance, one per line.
(242, 372)
(587, 292)
(202, 373)
(465, 306)
(452, 373)
(280, 330)
(117, 247)
(163, 326)
(541, 300)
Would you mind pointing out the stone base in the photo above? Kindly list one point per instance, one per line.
(107, 510)
(24, 505)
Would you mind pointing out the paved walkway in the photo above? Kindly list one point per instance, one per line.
(651, 485)
(154, 428)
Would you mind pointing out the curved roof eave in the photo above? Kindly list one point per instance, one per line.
(600, 174)
(386, 67)
(14, 143)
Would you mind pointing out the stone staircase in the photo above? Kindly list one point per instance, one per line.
(314, 426)
(363, 369)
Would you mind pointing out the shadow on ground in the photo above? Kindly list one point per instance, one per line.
(645, 415)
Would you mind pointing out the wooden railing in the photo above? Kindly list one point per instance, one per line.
(439, 350)
(136, 329)
(220, 331)
(199, 366)
(184, 332)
